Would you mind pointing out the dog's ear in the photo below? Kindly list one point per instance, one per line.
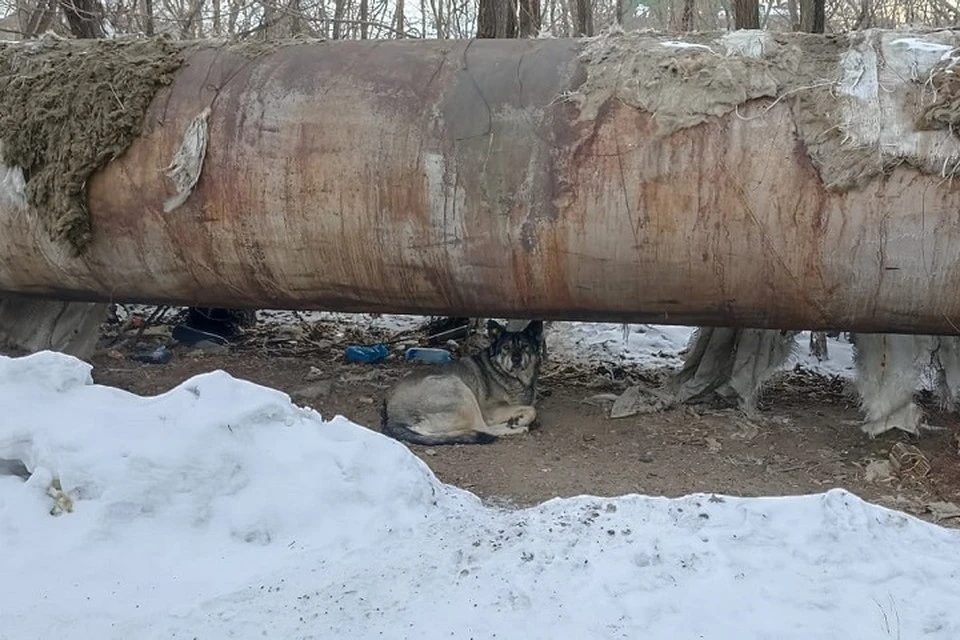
(494, 329)
(535, 330)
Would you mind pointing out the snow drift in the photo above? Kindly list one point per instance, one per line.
(219, 509)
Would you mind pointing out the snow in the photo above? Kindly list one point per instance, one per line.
(658, 346)
(679, 44)
(219, 509)
(925, 46)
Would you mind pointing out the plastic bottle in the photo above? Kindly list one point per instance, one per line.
(369, 354)
(423, 354)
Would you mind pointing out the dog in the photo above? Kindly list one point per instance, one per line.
(473, 400)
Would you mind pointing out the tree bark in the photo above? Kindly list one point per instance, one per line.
(339, 9)
(398, 20)
(794, 14)
(818, 345)
(40, 19)
(529, 11)
(689, 11)
(583, 18)
(497, 19)
(85, 18)
(812, 16)
(746, 14)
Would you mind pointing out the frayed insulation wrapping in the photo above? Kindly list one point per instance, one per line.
(843, 90)
(888, 368)
(732, 363)
(29, 325)
(187, 163)
(13, 186)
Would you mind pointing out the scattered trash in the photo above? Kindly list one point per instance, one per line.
(190, 337)
(908, 462)
(160, 355)
(600, 399)
(636, 400)
(943, 510)
(746, 430)
(420, 354)
(214, 348)
(367, 354)
(62, 501)
(878, 471)
(713, 445)
(313, 374)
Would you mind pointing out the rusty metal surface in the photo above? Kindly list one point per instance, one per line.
(447, 177)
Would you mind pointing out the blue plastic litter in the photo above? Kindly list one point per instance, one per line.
(367, 354)
(160, 355)
(423, 354)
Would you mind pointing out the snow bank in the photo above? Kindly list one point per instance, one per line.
(201, 487)
(221, 510)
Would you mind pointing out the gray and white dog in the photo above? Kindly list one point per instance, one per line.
(473, 400)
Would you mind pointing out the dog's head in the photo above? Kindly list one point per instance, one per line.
(516, 352)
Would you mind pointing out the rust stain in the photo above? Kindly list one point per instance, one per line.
(317, 192)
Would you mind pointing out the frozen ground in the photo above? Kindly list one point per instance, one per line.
(220, 510)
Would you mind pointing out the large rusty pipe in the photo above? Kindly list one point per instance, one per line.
(460, 177)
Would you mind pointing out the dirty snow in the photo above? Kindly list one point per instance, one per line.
(219, 509)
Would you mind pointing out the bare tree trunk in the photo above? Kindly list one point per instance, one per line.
(39, 19)
(623, 8)
(865, 19)
(727, 12)
(689, 11)
(398, 20)
(364, 19)
(530, 19)
(794, 15)
(583, 20)
(746, 14)
(296, 18)
(812, 16)
(189, 27)
(442, 30)
(818, 345)
(497, 19)
(84, 17)
(269, 20)
(339, 8)
(233, 16)
(216, 17)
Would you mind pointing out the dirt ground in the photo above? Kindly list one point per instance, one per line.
(804, 440)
